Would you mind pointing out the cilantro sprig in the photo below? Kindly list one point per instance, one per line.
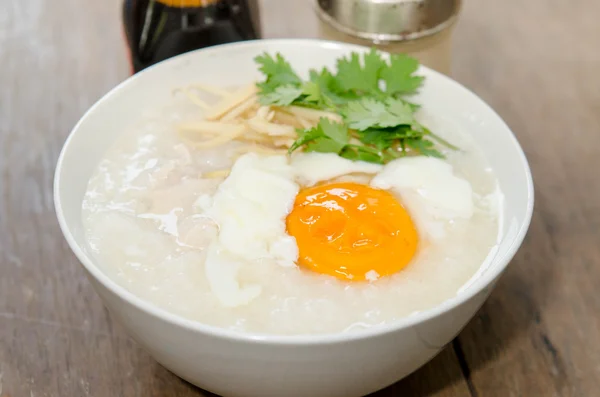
(379, 125)
(326, 137)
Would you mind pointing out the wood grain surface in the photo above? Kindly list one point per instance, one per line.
(537, 62)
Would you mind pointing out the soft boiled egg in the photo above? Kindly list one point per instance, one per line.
(297, 213)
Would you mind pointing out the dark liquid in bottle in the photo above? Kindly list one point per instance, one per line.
(160, 29)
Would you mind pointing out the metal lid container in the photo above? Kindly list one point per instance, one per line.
(389, 20)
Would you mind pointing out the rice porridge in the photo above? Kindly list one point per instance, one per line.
(148, 233)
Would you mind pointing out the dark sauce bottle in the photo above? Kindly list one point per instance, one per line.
(160, 29)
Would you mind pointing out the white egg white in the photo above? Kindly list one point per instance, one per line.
(429, 190)
(250, 207)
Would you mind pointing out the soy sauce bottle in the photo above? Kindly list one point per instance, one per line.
(160, 29)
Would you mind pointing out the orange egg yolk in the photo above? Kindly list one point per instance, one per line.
(347, 230)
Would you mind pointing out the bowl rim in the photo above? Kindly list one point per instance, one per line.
(460, 298)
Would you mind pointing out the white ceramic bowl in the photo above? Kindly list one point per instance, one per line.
(233, 364)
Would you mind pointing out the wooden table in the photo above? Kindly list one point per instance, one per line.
(537, 62)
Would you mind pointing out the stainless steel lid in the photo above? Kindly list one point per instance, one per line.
(388, 20)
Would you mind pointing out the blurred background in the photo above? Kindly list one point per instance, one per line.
(537, 62)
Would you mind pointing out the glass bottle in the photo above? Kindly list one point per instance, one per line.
(160, 29)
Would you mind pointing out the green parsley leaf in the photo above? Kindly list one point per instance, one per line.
(376, 137)
(399, 77)
(324, 145)
(383, 138)
(283, 95)
(277, 71)
(368, 113)
(335, 137)
(403, 112)
(304, 137)
(312, 92)
(314, 97)
(361, 79)
(330, 87)
(326, 137)
(362, 153)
